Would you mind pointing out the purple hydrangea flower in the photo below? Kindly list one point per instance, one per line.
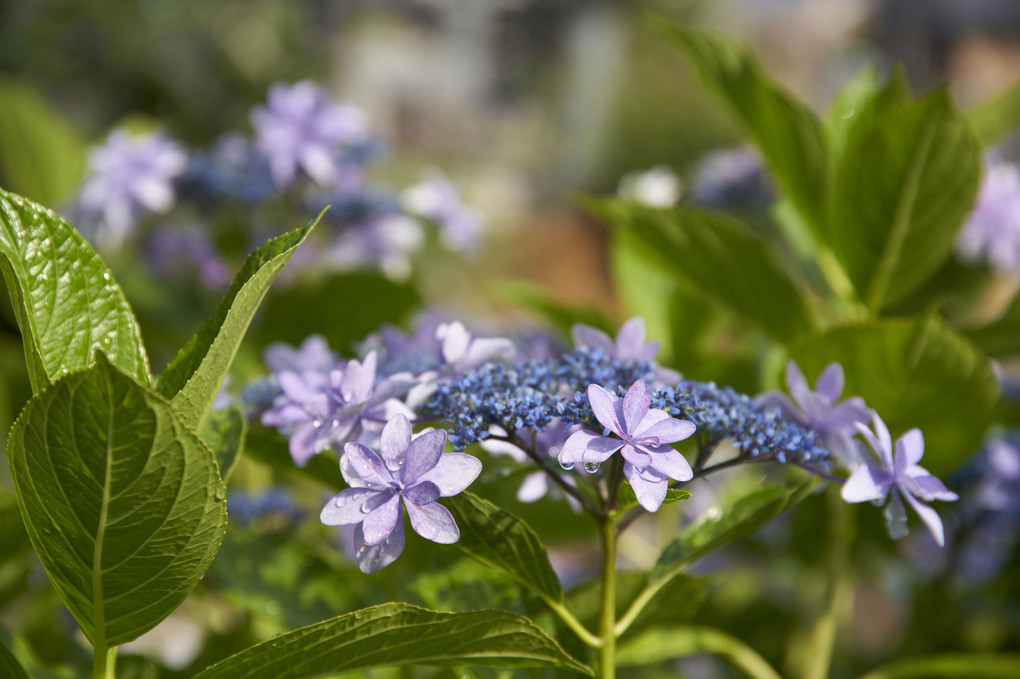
(302, 128)
(318, 409)
(549, 441)
(387, 241)
(437, 199)
(899, 475)
(168, 248)
(629, 345)
(412, 469)
(999, 490)
(992, 232)
(129, 176)
(643, 434)
(822, 411)
(313, 354)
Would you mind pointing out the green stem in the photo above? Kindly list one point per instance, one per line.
(739, 654)
(105, 662)
(607, 621)
(573, 623)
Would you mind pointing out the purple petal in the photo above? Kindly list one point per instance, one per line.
(930, 517)
(424, 493)
(866, 484)
(673, 465)
(358, 379)
(367, 465)
(882, 432)
(635, 457)
(669, 430)
(453, 473)
(604, 407)
(433, 522)
(380, 521)
(845, 416)
(635, 406)
(592, 338)
(396, 437)
(287, 415)
(928, 488)
(649, 487)
(302, 444)
(533, 488)
(485, 349)
(797, 385)
(630, 340)
(373, 558)
(497, 447)
(295, 388)
(346, 506)
(911, 447)
(775, 399)
(586, 446)
(830, 383)
(423, 455)
(455, 338)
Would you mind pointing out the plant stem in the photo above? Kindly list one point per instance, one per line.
(573, 623)
(104, 663)
(739, 654)
(607, 622)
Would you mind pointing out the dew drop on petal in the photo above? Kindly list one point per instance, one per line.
(567, 465)
(591, 467)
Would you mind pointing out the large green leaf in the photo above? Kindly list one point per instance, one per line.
(225, 432)
(996, 118)
(788, 133)
(720, 258)
(914, 373)
(66, 302)
(9, 665)
(907, 179)
(41, 155)
(121, 500)
(956, 666)
(848, 104)
(195, 375)
(643, 284)
(501, 540)
(392, 635)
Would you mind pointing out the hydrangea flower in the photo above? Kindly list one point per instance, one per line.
(129, 176)
(313, 354)
(629, 345)
(822, 411)
(992, 232)
(411, 469)
(898, 474)
(643, 434)
(168, 248)
(437, 199)
(657, 187)
(301, 127)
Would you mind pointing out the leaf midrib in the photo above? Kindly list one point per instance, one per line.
(98, 604)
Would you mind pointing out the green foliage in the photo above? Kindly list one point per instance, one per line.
(121, 500)
(393, 635)
(225, 432)
(626, 499)
(195, 375)
(41, 155)
(681, 641)
(959, 666)
(499, 539)
(9, 665)
(904, 184)
(643, 284)
(720, 258)
(914, 373)
(995, 119)
(1001, 338)
(848, 104)
(66, 302)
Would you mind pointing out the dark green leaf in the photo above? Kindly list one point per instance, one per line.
(224, 432)
(958, 666)
(501, 540)
(907, 180)
(121, 500)
(9, 665)
(996, 118)
(41, 155)
(195, 375)
(393, 635)
(64, 297)
(1001, 338)
(720, 258)
(788, 133)
(626, 499)
(12, 531)
(914, 373)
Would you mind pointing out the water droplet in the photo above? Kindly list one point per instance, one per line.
(220, 494)
(106, 276)
(591, 467)
(393, 465)
(316, 423)
(567, 465)
(366, 508)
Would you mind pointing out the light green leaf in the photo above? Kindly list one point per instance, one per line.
(786, 131)
(224, 432)
(908, 178)
(847, 106)
(195, 375)
(955, 666)
(121, 500)
(995, 119)
(681, 641)
(501, 540)
(719, 257)
(914, 373)
(9, 665)
(66, 302)
(626, 499)
(393, 635)
(41, 155)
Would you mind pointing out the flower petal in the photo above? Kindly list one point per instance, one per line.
(592, 338)
(380, 521)
(797, 385)
(866, 484)
(455, 339)
(775, 399)
(604, 407)
(396, 437)
(358, 379)
(346, 506)
(295, 388)
(649, 487)
(930, 517)
(373, 558)
(367, 465)
(830, 383)
(302, 444)
(484, 349)
(424, 493)
(911, 446)
(630, 341)
(635, 406)
(453, 473)
(433, 522)
(423, 454)
(672, 464)
(845, 416)
(586, 446)
(669, 430)
(533, 488)
(928, 487)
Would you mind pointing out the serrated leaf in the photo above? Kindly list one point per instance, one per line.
(9, 665)
(393, 635)
(907, 180)
(786, 131)
(66, 302)
(503, 541)
(121, 500)
(195, 374)
(914, 373)
(41, 155)
(720, 258)
(626, 499)
(954, 666)
(995, 119)
(224, 432)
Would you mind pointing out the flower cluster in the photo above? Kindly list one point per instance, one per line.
(992, 233)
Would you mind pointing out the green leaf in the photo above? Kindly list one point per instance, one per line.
(626, 499)
(907, 180)
(737, 521)
(848, 104)
(719, 257)
(914, 373)
(195, 375)
(681, 641)
(9, 665)
(12, 531)
(225, 432)
(995, 119)
(393, 635)
(788, 133)
(121, 500)
(41, 155)
(66, 302)
(955, 666)
(499, 539)
(562, 317)
(642, 283)
(1001, 338)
